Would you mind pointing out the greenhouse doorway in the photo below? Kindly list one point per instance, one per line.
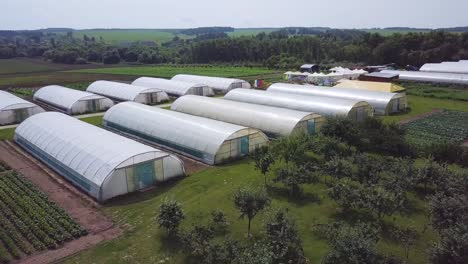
(92, 106)
(144, 174)
(244, 145)
(311, 127)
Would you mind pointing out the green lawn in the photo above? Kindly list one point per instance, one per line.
(7, 133)
(143, 241)
(437, 91)
(419, 105)
(169, 71)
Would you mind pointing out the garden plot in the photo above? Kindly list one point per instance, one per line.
(441, 127)
(29, 221)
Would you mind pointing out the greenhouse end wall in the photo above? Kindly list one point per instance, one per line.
(16, 116)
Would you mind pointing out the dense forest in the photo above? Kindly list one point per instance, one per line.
(283, 48)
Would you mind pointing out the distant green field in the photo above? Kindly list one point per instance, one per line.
(437, 91)
(239, 32)
(119, 36)
(25, 65)
(169, 71)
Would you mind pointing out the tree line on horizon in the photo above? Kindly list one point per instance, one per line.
(284, 48)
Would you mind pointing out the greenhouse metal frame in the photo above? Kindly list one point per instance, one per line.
(272, 121)
(174, 88)
(326, 106)
(210, 141)
(382, 102)
(71, 101)
(99, 162)
(14, 109)
(218, 84)
(122, 92)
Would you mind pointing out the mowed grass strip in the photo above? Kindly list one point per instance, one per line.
(169, 71)
(420, 105)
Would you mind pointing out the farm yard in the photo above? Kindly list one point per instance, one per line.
(440, 127)
(30, 221)
(212, 188)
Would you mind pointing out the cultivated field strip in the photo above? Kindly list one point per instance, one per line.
(443, 127)
(29, 221)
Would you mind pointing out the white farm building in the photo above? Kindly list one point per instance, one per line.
(204, 139)
(271, 120)
(383, 103)
(14, 109)
(121, 92)
(99, 162)
(71, 101)
(325, 106)
(219, 84)
(174, 88)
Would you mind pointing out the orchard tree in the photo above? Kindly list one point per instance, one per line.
(263, 159)
(284, 239)
(170, 215)
(250, 203)
(293, 176)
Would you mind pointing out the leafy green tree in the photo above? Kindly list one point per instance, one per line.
(219, 219)
(284, 239)
(198, 241)
(406, 236)
(170, 215)
(293, 176)
(352, 245)
(384, 202)
(338, 168)
(250, 203)
(348, 194)
(263, 159)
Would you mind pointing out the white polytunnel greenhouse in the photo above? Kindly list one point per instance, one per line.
(174, 88)
(14, 109)
(99, 162)
(383, 103)
(71, 101)
(447, 67)
(434, 77)
(219, 84)
(207, 140)
(271, 120)
(121, 92)
(326, 106)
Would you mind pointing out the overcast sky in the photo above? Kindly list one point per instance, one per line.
(81, 14)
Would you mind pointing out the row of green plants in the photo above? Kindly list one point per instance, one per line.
(30, 221)
(443, 127)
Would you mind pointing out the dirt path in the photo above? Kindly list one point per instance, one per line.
(77, 204)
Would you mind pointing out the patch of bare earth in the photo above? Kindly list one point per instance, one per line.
(78, 205)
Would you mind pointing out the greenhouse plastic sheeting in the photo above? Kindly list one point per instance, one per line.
(446, 67)
(120, 91)
(9, 101)
(271, 120)
(316, 104)
(217, 83)
(87, 150)
(378, 100)
(369, 86)
(435, 77)
(64, 97)
(173, 87)
(195, 134)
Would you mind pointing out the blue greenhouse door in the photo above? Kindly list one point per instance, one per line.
(144, 174)
(311, 127)
(244, 149)
(92, 107)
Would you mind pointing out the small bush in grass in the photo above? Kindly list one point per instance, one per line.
(170, 215)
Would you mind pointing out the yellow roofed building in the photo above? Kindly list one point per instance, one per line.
(370, 86)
